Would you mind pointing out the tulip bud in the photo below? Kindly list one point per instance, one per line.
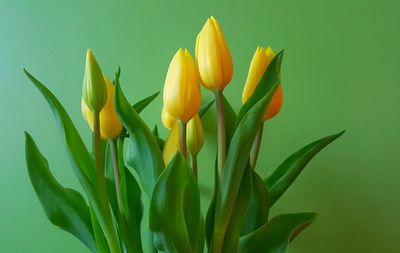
(110, 125)
(94, 88)
(171, 146)
(167, 120)
(195, 135)
(213, 57)
(261, 59)
(182, 89)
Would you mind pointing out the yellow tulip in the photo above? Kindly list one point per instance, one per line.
(195, 135)
(171, 146)
(167, 120)
(110, 125)
(94, 89)
(182, 96)
(261, 59)
(213, 57)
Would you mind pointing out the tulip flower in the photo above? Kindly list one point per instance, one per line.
(261, 59)
(110, 125)
(213, 57)
(167, 120)
(171, 145)
(195, 135)
(94, 89)
(182, 96)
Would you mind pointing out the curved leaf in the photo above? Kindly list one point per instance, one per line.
(140, 105)
(238, 217)
(204, 108)
(64, 207)
(257, 213)
(81, 162)
(275, 236)
(239, 149)
(143, 154)
(230, 122)
(101, 240)
(287, 172)
(175, 216)
(76, 149)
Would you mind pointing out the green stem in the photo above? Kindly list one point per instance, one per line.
(109, 229)
(255, 149)
(194, 165)
(117, 178)
(221, 131)
(218, 238)
(182, 138)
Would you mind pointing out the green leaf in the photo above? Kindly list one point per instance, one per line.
(101, 240)
(75, 147)
(160, 141)
(232, 234)
(239, 149)
(210, 217)
(175, 216)
(257, 213)
(139, 106)
(110, 180)
(275, 236)
(131, 201)
(204, 108)
(287, 172)
(230, 122)
(81, 161)
(64, 207)
(144, 154)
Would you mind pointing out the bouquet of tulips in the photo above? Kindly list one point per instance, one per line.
(129, 164)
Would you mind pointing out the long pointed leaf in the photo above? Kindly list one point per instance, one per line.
(238, 217)
(174, 232)
(139, 106)
(143, 154)
(64, 207)
(204, 108)
(287, 172)
(239, 149)
(81, 161)
(257, 213)
(275, 236)
(230, 122)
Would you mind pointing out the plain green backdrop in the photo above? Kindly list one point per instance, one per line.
(341, 70)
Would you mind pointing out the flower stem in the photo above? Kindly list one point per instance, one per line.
(117, 178)
(109, 229)
(255, 149)
(221, 131)
(194, 165)
(182, 138)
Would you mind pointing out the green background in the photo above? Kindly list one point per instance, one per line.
(341, 70)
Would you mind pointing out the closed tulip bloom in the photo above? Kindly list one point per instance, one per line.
(171, 146)
(182, 96)
(167, 120)
(261, 59)
(195, 135)
(213, 57)
(94, 89)
(110, 125)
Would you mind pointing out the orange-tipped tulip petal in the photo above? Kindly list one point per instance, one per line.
(261, 59)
